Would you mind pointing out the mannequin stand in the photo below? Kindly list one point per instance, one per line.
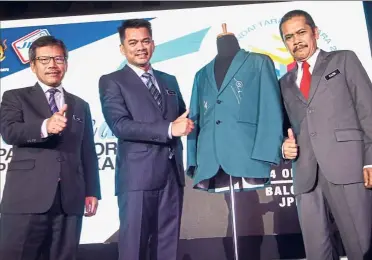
(233, 220)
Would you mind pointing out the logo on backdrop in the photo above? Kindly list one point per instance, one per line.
(271, 44)
(22, 45)
(3, 47)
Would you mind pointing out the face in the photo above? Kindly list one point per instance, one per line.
(49, 72)
(138, 47)
(299, 38)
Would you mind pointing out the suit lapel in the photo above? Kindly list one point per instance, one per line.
(319, 68)
(70, 101)
(293, 85)
(39, 101)
(162, 86)
(133, 80)
(235, 65)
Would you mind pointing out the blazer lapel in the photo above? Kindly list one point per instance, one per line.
(235, 65)
(293, 86)
(39, 101)
(211, 77)
(319, 68)
(133, 80)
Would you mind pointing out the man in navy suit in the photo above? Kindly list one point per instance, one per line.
(53, 175)
(145, 110)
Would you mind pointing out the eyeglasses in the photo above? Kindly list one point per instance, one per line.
(46, 59)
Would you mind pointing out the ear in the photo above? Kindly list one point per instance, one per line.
(316, 33)
(33, 66)
(122, 49)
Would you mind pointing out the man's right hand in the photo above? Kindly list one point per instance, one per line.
(57, 122)
(182, 125)
(290, 148)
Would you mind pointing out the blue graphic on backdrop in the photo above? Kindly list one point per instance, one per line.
(184, 45)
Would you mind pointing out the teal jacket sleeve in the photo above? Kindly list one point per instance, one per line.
(192, 138)
(269, 135)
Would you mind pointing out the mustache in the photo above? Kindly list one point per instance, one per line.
(300, 46)
(52, 72)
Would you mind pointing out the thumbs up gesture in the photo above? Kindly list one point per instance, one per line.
(182, 125)
(290, 149)
(57, 122)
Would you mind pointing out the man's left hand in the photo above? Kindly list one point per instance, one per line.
(91, 205)
(367, 174)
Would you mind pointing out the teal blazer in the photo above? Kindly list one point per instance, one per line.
(240, 127)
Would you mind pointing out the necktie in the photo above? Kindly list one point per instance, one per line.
(52, 100)
(152, 88)
(306, 80)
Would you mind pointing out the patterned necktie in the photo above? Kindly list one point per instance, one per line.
(52, 100)
(306, 80)
(152, 88)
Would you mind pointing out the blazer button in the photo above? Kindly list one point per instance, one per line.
(218, 122)
(219, 101)
(313, 134)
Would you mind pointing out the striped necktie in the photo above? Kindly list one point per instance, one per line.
(52, 100)
(152, 88)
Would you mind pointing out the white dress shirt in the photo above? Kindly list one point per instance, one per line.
(311, 61)
(60, 101)
(140, 72)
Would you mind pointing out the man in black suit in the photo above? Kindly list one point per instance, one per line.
(144, 109)
(54, 171)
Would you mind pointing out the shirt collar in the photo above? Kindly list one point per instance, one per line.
(46, 87)
(310, 60)
(140, 72)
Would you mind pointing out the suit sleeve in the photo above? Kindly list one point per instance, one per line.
(120, 121)
(192, 138)
(358, 80)
(269, 135)
(14, 129)
(89, 159)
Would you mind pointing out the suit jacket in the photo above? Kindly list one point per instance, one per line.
(38, 163)
(142, 128)
(238, 127)
(334, 127)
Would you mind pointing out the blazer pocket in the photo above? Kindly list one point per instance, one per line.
(344, 135)
(21, 165)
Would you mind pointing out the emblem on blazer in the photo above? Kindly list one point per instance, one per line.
(237, 89)
(205, 107)
(332, 74)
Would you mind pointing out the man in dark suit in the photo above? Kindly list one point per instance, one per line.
(144, 109)
(328, 98)
(54, 171)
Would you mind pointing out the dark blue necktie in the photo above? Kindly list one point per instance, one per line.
(52, 100)
(152, 88)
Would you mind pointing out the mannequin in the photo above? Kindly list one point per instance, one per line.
(227, 47)
(236, 107)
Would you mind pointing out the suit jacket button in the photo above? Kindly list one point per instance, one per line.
(218, 122)
(313, 134)
(219, 101)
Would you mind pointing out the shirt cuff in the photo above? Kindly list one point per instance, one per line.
(283, 151)
(367, 166)
(44, 132)
(170, 130)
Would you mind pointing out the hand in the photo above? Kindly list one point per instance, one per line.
(182, 125)
(91, 205)
(290, 146)
(57, 122)
(367, 174)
